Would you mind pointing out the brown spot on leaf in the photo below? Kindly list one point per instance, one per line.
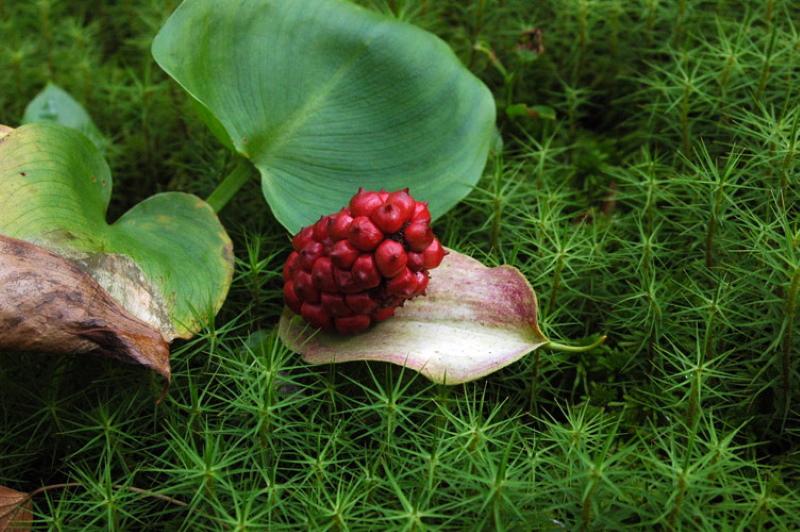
(48, 304)
(4, 131)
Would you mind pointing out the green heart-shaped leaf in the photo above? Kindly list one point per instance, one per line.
(168, 261)
(54, 104)
(324, 97)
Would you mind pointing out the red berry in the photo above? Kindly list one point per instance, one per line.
(322, 228)
(345, 281)
(343, 254)
(291, 265)
(304, 287)
(364, 202)
(360, 303)
(322, 273)
(352, 324)
(291, 297)
(315, 315)
(364, 235)
(404, 202)
(303, 238)
(365, 272)
(388, 218)
(383, 314)
(309, 255)
(335, 305)
(418, 236)
(341, 225)
(433, 255)
(422, 281)
(421, 212)
(390, 258)
(355, 267)
(414, 261)
(403, 285)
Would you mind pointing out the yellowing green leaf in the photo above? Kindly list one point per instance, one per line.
(166, 263)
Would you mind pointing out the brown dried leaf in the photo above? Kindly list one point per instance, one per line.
(49, 304)
(15, 511)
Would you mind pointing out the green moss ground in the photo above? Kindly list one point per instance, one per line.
(660, 206)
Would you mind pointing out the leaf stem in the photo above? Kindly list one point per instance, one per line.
(133, 489)
(556, 346)
(226, 190)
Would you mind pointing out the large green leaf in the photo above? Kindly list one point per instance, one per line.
(54, 104)
(324, 96)
(167, 261)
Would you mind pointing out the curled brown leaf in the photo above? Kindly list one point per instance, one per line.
(15, 510)
(49, 304)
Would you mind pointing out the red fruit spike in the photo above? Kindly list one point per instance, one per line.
(364, 235)
(433, 255)
(383, 195)
(322, 228)
(403, 285)
(418, 236)
(341, 225)
(309, 255)
(365, 273)
(352, 324)
(388, 218)
(414, 261)
(334, 305)
(383, 314)
(390, 258)
(291, 266)
(345, 281)
(303, 238)
(322, 273)
(291, 298)
(364, 202)
(421, 212)
(304, 287)
(360, 303)
(343, 254)
(403, 201)
(316, 316)
(422, 282)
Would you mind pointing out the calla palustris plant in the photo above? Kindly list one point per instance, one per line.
(70, 282)
(472, 321)
(324, 97)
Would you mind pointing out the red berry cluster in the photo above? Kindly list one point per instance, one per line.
(355, 267)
